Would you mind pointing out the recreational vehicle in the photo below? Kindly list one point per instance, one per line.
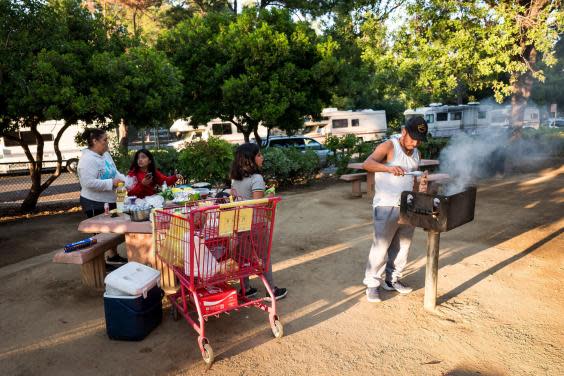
(473, 118)
(186, 132)
(367, 125)
(13, 158)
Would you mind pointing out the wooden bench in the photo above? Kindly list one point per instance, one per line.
(356, 179)
(91, 259)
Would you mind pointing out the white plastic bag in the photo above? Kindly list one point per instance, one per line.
(205, 265)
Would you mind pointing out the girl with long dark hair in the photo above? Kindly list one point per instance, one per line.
(147, 176)
(247, 183)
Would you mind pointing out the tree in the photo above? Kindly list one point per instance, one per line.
(144, 87)
(259, 66)
(550, 91)
(47, 55)
(360, 84)
(451, 49)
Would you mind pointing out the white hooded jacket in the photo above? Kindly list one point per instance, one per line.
(96, 173)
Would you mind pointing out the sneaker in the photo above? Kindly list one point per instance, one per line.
(397, 286)
(372, 295)
(279, 293)
(251, 292)
(116, 260)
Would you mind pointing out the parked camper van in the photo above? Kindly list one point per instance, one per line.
(185, 132)
(367, 125)
(473, 118)
(13, 158)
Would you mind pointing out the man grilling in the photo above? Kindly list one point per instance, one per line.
(390, 162)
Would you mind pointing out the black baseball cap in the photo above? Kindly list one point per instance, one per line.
(417, 128)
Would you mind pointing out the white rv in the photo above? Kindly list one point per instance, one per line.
(185, 132)
(445, 120)
(12, 155)
(367, 125)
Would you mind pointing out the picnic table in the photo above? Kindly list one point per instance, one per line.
(139, 243)
(370, 175)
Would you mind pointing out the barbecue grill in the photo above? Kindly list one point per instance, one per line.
(436, 213)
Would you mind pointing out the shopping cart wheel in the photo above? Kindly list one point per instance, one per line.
(208, 355)
(277, 329)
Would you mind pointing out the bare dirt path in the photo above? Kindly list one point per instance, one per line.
(501, 299)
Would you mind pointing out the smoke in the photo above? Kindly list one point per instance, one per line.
(469, 158)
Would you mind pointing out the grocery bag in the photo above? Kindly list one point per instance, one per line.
(205, 264)
(174, 244)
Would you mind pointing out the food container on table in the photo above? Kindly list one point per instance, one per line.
(140, 215)
(201, 185)
(204, 192)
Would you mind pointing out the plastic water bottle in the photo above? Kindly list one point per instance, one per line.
(80, 244)
(121, 194)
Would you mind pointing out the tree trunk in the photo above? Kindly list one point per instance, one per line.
(522, 86)
(36, 169)
(257, 137)
(460, 91)
(29, 204)
(123, 135)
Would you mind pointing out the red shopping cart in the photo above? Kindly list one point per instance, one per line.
(209, 245)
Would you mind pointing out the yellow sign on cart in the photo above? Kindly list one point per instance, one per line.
(245, 219)
(227, 221)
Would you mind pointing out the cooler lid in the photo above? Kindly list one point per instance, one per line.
(133, 278)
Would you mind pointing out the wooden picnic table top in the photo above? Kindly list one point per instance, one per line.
(422, 163)
(119, 225)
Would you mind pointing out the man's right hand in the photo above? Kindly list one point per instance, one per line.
(396, 170)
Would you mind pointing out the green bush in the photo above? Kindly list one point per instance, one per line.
(347, 148)
(551, 139)
(207, 161)
(166, 160)
(122, 158)
(431, 149)
(288, 166)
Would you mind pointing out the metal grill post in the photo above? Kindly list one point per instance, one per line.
(431, 271)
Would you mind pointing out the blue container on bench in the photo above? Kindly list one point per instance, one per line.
(132, 302)
(132, 318)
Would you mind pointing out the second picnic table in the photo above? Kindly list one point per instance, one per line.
(370, 175)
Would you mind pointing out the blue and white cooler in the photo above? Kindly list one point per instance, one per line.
(132, 301)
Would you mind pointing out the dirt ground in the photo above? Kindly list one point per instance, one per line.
(501, 302)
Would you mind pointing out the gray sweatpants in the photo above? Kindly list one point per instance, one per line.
(390, 247)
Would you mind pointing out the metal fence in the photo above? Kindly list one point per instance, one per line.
(15, 183)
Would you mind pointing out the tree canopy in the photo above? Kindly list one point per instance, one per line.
(58, 61)
(258, 67)
(451, 49)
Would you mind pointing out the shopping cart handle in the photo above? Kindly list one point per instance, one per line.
(257, 201)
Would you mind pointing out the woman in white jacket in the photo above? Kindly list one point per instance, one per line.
(98, 177)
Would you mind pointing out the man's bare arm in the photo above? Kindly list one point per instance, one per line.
(382, 153)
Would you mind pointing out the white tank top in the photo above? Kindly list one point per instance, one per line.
(388, 188)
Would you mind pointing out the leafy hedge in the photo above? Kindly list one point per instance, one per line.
(431, 149)
(206, 161)
(348, 148)
(286, 166)
(551, 139)
(166, 159)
